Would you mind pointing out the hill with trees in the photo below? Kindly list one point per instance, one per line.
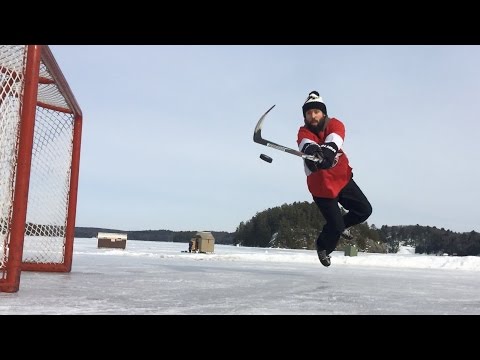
(297, 226)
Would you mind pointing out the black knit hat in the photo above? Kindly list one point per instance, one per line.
(314, 101)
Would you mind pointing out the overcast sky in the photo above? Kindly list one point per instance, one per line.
(167, 133)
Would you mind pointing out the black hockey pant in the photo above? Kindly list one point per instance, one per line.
(353, 200)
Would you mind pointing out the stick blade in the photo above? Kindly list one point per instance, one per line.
(257, 134)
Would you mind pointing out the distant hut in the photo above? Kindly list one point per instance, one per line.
(112, 240)
(203, 242)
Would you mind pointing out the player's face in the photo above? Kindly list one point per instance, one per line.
(313, 116)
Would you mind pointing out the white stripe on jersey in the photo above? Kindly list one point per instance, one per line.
(304, 142)
(337, 139)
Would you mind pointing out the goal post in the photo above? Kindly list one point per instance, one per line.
(40, 137)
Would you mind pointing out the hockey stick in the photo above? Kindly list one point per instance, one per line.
(257, 137)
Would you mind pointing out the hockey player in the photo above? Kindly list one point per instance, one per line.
(329, 180)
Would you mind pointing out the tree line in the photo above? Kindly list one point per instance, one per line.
(297, 225)
(221, 237)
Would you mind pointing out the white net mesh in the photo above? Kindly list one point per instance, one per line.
(49, 187)
(49, 182)
(11, 81)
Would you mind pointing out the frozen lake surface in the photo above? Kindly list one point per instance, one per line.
(158, 278)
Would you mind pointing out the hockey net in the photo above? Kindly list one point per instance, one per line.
(40, 132)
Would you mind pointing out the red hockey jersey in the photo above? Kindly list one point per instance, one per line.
(327, 183)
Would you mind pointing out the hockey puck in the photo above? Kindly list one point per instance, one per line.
(266, 158)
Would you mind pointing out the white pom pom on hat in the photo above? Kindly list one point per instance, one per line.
(314, 101)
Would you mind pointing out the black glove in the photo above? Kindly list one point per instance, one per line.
(329, 151)
(313, 149)
(325, 152)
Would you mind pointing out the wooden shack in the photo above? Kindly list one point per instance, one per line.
(112, 240)
(203, 242)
